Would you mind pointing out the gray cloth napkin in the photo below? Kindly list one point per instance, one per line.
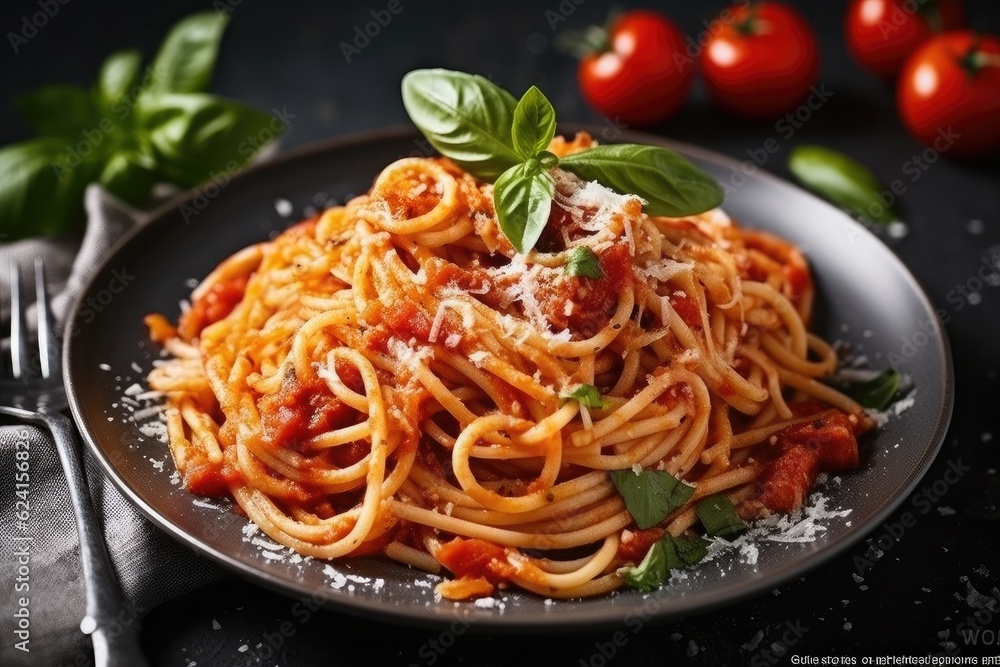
(41, 587)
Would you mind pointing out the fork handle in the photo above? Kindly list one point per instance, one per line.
(114, 629)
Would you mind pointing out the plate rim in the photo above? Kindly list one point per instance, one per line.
(508, 623)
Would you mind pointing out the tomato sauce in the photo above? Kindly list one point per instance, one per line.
(160, 328)
(299, 411)
(824, 444)
(593, 299)
(216, 304)
(475, 558)
(636, 544)
(413, 197)
(687, 309)
(799, 281)
(206, 478)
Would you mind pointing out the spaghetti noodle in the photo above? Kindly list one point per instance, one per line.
(392, 377)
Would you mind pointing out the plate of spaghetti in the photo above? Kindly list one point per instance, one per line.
(341, 379)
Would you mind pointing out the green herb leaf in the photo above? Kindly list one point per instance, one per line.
(586, 395)
(651, 572)
(583, 262)
(41, 192)
(670, 184)
(187, 56)
(534, 124)
(689, 550)
(650, 495)
(119, 74)
(522, 197)
(60, 111)
(840, 179)
(719, 517)
(668, 553)
(130, 175)
(196, 136)
(877, 393)
(465, 117)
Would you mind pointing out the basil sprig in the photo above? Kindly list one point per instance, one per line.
(481, 127)
(132, 129)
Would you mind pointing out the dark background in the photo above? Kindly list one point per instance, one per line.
(286, 55)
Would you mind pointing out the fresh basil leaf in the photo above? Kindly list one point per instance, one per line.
(651, 572)
(186, 58)
(650, 495)
(465, 117)
(196, 136)
(522, 197)
(669, 183)
(130, 175)
(877, 393)
(534, 123)
(668, 553)
(586, 395)
(119, 74)
(840, 179)
(719, 518)
(687, 550)
(583, 262)
(60, 111)
(41, 188)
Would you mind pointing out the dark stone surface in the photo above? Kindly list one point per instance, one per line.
(914, 599)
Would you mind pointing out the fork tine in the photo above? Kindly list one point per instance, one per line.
(18, 331)
(48, 355)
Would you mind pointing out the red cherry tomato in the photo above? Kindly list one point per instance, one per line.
(637, 79)
(761, 61)
(882, 33)
(949, 93)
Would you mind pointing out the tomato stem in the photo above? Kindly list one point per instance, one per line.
(748, 26)
(589, 40)
(582, 43)
(975, 59)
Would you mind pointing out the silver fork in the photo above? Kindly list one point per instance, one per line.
(33, 392)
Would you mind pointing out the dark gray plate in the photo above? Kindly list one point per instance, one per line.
(866, 297)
